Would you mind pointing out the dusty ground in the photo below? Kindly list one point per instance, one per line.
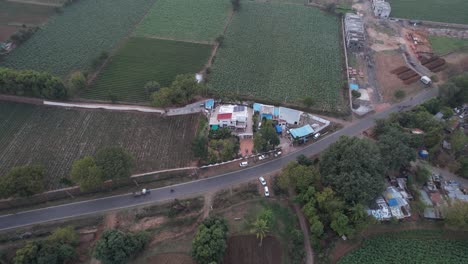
(457, 62)
(246, 146)
(389, 83)
(171, 258)
(382, 41)
(6, 32)
(246, 250)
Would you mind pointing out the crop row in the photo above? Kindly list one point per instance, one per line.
(410, 247)
(281, 52)
(451, 11)
(142, 60)
(56, 137)
(201, 20)
(70, 41)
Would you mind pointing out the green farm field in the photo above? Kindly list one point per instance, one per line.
(142, 60)
(18, 14)
(443, 45)
(281, 52)
(418, 246)
(190, 20)
(450, 11)
(55, 137)
(70, 41)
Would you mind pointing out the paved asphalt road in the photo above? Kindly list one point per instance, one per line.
(199, 186)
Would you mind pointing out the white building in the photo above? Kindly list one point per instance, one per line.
(381, 8)
(232, 116)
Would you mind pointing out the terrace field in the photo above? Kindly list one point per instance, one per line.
(142, 60)
(70, 41)
(450, 11)
(418, 246)
(200, 21)
(55, 137)
(281, 52)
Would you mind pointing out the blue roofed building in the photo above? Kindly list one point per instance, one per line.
(353, 86)
(301, 132)
(209, 104)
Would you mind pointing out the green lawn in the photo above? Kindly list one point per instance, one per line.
(194, 20)
(419, 246)
(450, 11)
(444, 45)
(281, 52)
(142, 60)
(70, 41)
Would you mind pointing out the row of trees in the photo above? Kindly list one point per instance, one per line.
(112, 163)
(58, 248)
(31, 83)
(209, 243)
(182, 91)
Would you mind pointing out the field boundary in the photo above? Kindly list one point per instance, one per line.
(145, 109)
(35, 3)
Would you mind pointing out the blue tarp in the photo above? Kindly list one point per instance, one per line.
(423, 153)
(257, 107)
(392, 202)
(278, 129)
(301, 131)
(267, 116)
(353, 86)
(209, 104)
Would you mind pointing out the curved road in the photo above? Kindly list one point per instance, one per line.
(199, 186)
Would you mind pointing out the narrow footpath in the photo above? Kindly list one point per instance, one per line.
(304, 228)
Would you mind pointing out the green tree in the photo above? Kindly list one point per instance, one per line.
(235, 5)
(355, 94)
(87, 174)
(76, 83)
(266, 137)
(400, 94)
(209, 243)
(354, 168)
(22, 181)
(395, 149)
(115, 163)
(151, 87)
(181, 91)
(115, 247)
(65, 235)
(162, 98)
(299, 177)
(458, 140)
(44, 252)
(463, 171)
(199, 147)
(304, 160)
(260, 228)
(340, 224)
(308, 101)
(457, 215)
(316, 227)
(260, 144)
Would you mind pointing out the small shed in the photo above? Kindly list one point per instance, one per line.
(353, 86)
(209, 104)
(301, 132)
(257, 107)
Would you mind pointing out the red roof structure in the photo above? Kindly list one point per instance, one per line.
(224, 116)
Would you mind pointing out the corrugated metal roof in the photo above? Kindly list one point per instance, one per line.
(301, 131)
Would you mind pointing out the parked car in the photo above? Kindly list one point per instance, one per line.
(262, 181)
(267, 193)
(262, 157)
(278, 153)
(316, 135)
(244, 164)
(141, 193)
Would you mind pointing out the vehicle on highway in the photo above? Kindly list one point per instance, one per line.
(262, 157)
(262, 181)
(267, 193)
(316, 135)
(244, 164)
(141, 193)
(278, 153)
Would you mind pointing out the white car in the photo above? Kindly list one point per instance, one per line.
(278, 153)
(262, 157)
(316, 135)
(243, 164)
(262, 181)
(267, 193)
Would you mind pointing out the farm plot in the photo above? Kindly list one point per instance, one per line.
(245, 249)
(442, 45)
(70, 41)
(56, 137)
(142, 60)
(450, 11)
(267, 54)
(190, 20)
(421, 246)
(18, 14)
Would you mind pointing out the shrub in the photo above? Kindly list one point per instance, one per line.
(400, 94)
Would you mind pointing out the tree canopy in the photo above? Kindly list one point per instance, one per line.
(117, 247)
(457, 215)
(266, 137)
(395, 148)
(87, 174)
(354, 168)
(115, 163)
(22, 181)
(209, 243)
(31, 83)
(181, 91)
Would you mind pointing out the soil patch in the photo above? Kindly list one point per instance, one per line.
(383, 41)
(171, 258)
(246, 250)
(6, 32)
(390, 83)
(246, 146)
(148, 222)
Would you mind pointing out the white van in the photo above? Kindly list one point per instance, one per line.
(244, 164)
(426, 80)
